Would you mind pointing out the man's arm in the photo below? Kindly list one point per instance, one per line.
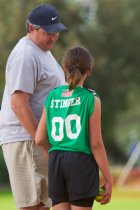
(21, 107)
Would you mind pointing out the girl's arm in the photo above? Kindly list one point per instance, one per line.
(41, 137)
(98, 149)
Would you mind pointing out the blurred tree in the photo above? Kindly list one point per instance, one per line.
(3, 170)
(114, 39)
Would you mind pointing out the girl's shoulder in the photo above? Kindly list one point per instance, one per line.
(93, 92)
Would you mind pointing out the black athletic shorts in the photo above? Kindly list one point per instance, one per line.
(72, 176)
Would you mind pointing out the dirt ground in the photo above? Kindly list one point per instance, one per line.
(132, 181)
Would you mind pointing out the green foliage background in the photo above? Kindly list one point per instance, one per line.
(110, 30)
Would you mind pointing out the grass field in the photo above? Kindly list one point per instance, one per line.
(123, 200)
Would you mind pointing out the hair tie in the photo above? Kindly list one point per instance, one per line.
(75, 68)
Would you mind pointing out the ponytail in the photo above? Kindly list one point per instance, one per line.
(73, 78)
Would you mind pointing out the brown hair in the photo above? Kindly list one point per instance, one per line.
(76, 60)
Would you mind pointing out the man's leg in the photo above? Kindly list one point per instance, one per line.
(37, 207)
(31, 187)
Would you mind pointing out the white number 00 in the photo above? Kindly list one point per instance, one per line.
(67, 123)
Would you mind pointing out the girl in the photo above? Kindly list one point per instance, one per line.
(70, 130)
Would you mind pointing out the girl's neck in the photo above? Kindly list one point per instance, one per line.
(80, 84)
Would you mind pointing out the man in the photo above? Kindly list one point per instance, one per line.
(31, 72)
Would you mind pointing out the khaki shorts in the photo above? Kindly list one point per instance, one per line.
(28, 173)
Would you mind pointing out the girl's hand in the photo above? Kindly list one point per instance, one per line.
(107, 194)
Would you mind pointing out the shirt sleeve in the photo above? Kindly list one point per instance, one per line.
(92, 102)
(22, 76)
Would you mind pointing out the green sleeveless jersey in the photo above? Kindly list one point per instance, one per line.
(68, 114)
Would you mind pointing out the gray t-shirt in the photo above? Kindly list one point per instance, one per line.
(31, 70)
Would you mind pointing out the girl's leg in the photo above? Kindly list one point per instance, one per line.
(62, 206)
(82, 204)
(80, 208)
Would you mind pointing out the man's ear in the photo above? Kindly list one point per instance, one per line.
(30, 28)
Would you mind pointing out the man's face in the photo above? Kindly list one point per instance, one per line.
(43, 39)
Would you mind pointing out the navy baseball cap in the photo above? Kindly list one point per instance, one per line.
(47, 17)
